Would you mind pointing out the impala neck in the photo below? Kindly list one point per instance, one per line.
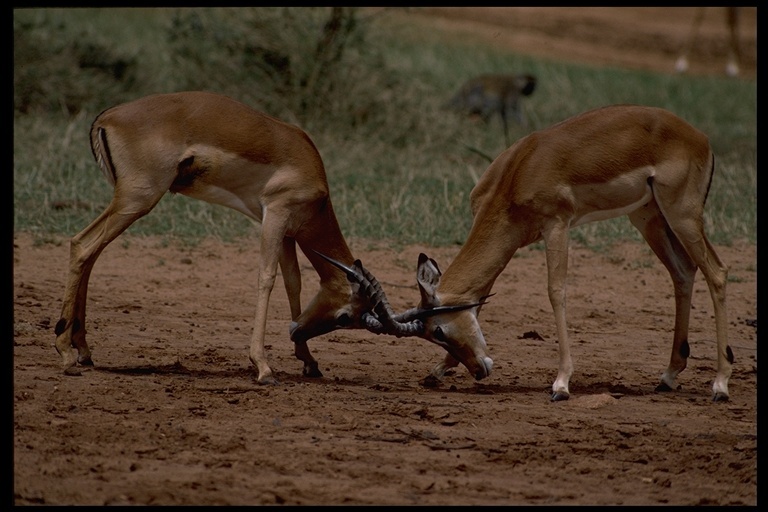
(324, 235)
(472, 273)
(488, 248)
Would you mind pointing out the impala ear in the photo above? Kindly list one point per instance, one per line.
(428, 277)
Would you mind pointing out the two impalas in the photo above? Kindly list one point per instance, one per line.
(619, 160)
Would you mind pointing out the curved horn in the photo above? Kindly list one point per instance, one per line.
(351, 273)
(420, 313)
(382, 319)
(358, 276)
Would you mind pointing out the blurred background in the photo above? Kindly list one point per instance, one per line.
(371, 86)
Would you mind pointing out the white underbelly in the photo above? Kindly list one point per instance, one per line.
(612, 199)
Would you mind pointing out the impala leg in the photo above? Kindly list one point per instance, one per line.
(311, 369)
(654, 228)
(716, 275)
(681, 65)
(85, 249)
(272, 235)
(687, 224)
(732, 19)
(556, 241)
(289, 264)
(436, 375)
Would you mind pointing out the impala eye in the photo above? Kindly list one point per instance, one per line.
(343, 320)
(439, 334)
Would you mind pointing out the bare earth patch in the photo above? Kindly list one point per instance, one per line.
(171, 413)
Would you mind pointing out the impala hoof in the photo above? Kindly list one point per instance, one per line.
(311, 370)
(430, 381)
(73, 371)
(559, 396)
(663, 387)
(720, 397)
(267, 380)
(85, 361)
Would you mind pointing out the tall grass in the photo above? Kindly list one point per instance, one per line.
(400, 167)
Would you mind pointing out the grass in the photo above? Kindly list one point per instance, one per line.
(400, 167)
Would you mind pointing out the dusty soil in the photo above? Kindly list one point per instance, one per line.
(171, 413)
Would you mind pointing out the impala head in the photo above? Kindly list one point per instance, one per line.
(460, 335)
(456, 330)
(453, 327)
(331, 309)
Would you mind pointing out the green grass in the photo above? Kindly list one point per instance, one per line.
(399, 165)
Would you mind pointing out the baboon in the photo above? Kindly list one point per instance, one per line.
(488, 94)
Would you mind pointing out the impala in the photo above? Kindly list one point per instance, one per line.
(630, 160)
(734, 53)
(219, 150)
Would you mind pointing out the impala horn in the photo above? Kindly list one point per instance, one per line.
(382, 319)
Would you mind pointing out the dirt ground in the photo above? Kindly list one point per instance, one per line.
(171, 413)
